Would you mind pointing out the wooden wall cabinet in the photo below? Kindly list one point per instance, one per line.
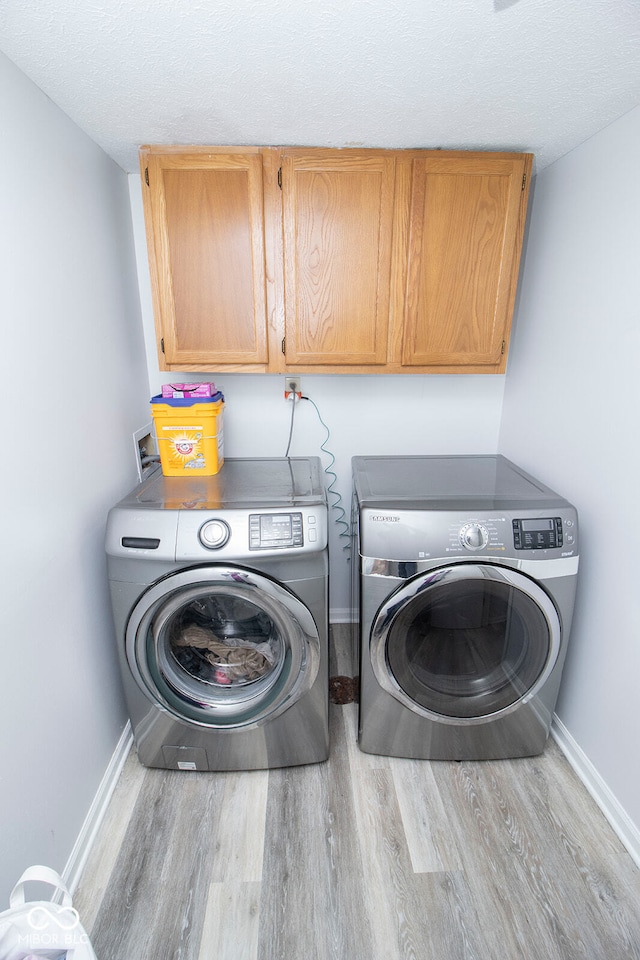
(204, 214)
(338, 211)
(312, 260)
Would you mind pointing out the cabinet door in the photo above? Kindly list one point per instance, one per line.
(205, 232)
(465, 230)
(337, 230)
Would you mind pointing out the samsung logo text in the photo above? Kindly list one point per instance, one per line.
(380, 517)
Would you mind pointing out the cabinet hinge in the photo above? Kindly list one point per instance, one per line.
(282, 345)
(503, 346)
(146, 175)
(162, 344)
(524, 180)
(280, 177)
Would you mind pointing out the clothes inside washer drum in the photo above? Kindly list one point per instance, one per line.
(234, 660)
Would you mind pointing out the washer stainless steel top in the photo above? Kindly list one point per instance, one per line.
(242, 482)
(253, 506)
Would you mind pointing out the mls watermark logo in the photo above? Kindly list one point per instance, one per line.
(52, 926)
(43, 928)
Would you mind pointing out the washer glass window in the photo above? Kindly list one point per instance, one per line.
(468, 647)
(221, 646)
(217, 644)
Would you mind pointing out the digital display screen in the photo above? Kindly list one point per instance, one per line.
(275, 531)
(536, 526)
(537, 533)
(275, 527)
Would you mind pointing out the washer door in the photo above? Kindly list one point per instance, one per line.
(222, 646)
(465, 642)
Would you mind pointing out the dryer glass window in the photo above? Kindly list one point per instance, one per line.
(468, 648)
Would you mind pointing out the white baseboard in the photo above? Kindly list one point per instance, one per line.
(87, 835)
(617, 816)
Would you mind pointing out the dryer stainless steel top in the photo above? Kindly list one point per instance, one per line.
(414, 481)
(463, 502)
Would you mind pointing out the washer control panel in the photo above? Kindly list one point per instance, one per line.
(240, 533)
(269, 531)
(474, 536)
(214, 534)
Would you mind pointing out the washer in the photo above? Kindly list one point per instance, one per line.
(466, 579)
(219, 589)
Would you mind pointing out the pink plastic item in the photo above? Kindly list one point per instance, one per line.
(179, 390)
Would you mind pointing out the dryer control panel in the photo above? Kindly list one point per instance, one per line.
(398, 534)
(543, 533)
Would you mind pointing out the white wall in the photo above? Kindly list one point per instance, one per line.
(365, 414)
(571, 416)
(74, 387)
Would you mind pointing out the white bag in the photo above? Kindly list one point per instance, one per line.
(41, 929)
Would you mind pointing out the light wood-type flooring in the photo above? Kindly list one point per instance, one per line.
(360, 858)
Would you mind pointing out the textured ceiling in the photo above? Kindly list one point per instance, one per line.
(535, 75)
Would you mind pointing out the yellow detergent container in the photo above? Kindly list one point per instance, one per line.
(190, 434)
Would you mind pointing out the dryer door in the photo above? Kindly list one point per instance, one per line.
(465, 642)
(222, 646)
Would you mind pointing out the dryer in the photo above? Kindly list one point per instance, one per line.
(219, 589)
(465, 585)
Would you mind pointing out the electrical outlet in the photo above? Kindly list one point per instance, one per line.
(292, 388)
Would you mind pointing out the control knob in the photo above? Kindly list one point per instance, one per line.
(214, 534)
(473, 536)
